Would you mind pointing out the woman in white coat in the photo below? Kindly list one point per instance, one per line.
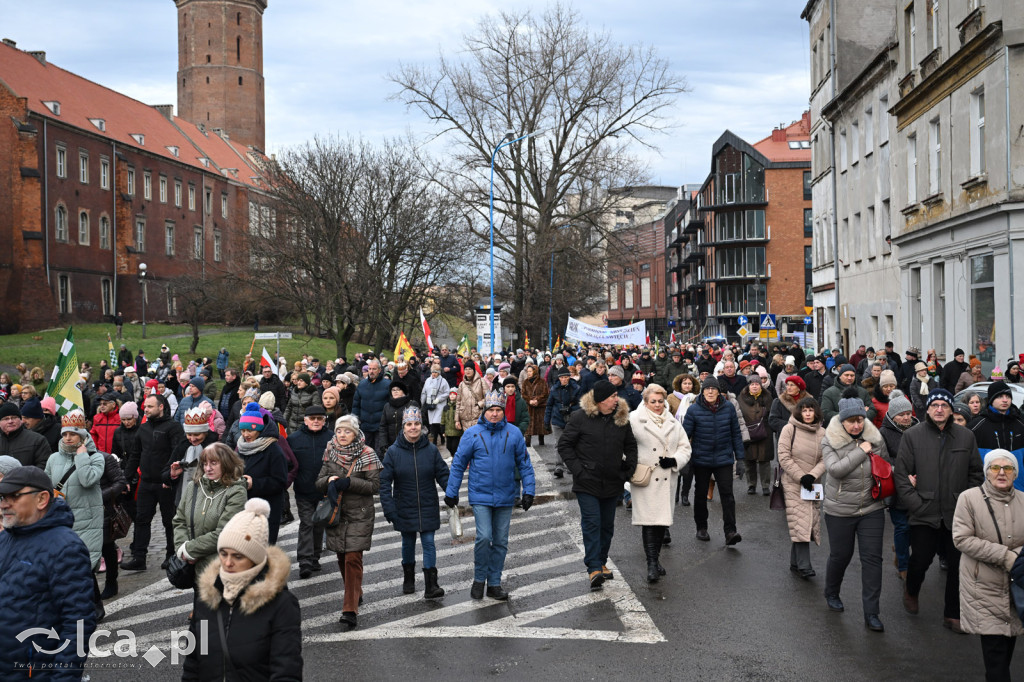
(663, 447)
(433, 398)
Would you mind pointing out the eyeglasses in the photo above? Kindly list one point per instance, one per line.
(14, 496)
(1006, 468)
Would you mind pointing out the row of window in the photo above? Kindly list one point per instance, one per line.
(627, 294)
(62, 234)
(862, 132)
(739, 225)
(65, 306)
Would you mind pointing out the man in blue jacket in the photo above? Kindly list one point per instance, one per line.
(46, 581)
(495, 449)
(371, 396)
(563, 400)
(713, 428)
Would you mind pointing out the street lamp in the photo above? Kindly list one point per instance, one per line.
(142, 281)
(509, 138)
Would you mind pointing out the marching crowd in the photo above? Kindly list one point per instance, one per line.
(220, 451)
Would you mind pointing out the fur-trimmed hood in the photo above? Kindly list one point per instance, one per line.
(838, 437)
(260, 592)
(788, 400)
(589, 407)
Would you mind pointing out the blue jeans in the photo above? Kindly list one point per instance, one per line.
(901, 537)
(597, 520)
(491, 545)
(409, 548)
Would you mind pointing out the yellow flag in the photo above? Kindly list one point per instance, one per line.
(63, 386)
(526, 342)
(463, 348)
(403, 348)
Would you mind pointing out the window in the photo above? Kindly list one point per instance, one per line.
(934, 157)
(104, 232)
(983, 310)
(163, 189)
(645, 292)
(807, 185)
(217, 255)
(172, 302)
(755, 261)
(808, 222)
(939, 305)
(140, 235)
(627, 293)
(911, 169)
(933, 24)
(753, 180)
(64, 293)
(177, 193)
(83, 228)
(910, 40)
(60, 224)
(147, 186)
(857, 237)
(62, 162)
(130, 181)
(169, 238)
(869, 231)
(208, 200)
(83, 168)
(844, 242)
(883, 222)
(977, 132)
(191, 197)
(613, 296)
(104, 174)
(197, 243)
(754, 224)
(854, 143)
(883, 126)
(842, 151)
(224, 205)
(107, 296)
(869, 132)
(731, 180)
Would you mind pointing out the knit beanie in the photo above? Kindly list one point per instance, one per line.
(790, 361)
(940, 394)
(74, 422)
(494, 399)
(251, 420)
(333, 390)
(995, 389)
(888, 378)
(129, 411)
(248, 531)
(32, 409)
(302, 376)
(49, 404)
(199, 383)
(898, 403)
(349, 422)
(604, 389)
(8, 463)
(710, 382)
(616, 371)
(762, 372)
(961, 409)
(267, 401)
(412, 415)
(753, 378)
(9, 409)
(851, 406)
(999, 453)
(847, 368)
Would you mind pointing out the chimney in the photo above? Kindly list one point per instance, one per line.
(10, 43)
(39, 55)
(166, 110)
(779, 135)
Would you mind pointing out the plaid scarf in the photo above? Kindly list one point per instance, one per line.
(342, 455)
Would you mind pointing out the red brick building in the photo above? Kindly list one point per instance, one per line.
(94, 183)
(745, 247)
(636, 276)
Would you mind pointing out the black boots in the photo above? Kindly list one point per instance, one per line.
(432, 590)
(136, 563)
(652, 539)
(409, 584)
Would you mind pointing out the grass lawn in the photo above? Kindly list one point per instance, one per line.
(40, 349)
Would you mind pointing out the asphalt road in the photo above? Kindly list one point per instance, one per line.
(720, 613)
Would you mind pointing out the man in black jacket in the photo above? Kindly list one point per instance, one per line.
(158, 438)
(309, 444)
(600, 450)
(23, 444)
(271, 382)
(814, 376)
(952, 371)
(1000, 424)
(41, 422)
(937, 461)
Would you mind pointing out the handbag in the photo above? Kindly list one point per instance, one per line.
(328, 512)
(641, 477)
(758, 431)
(181, 573)
(777, 500)
(881, 472)
(120, 521)
(454, 523)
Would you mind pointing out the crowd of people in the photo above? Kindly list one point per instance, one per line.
(220, 451)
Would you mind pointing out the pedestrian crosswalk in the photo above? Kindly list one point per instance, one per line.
(544, 573)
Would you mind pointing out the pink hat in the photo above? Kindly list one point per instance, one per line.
(49, 405)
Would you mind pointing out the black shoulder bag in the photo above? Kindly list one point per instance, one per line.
(181, 573)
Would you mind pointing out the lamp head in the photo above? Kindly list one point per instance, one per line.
(510, 135)
(142, 269)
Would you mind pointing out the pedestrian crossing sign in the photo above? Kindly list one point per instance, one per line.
(768, 322)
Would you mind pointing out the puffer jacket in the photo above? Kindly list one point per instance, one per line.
(495, 451)
(215, 506)
(295, 411)
(714, 433)
(26, 446)
(409, 483)
(470, 402)
(448, 420)
(848, 483)
(833, 394)
(946, 462)
(308, 448)
(993, 429)
(800, 455)
(83, 493)
(562, 397)
(46, 582)
(600, 450)
(986, 558)
(391, 422)
(369, 401)
(354, 532)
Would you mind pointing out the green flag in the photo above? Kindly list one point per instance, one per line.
(463, 348)
(63, 381)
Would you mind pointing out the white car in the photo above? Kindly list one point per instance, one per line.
(981, 388)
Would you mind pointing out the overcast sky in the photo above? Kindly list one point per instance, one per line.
(326, 61)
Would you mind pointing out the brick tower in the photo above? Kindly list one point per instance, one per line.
(220, 67)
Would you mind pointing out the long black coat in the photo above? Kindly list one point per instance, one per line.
(600, 450)
(408, 485)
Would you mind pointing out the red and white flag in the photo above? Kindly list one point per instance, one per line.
(647, 341)
(266, 360)
(426, 331)
(672, 338)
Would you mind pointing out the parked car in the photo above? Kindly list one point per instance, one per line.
(981, 388)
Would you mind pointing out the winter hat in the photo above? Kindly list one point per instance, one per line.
(267, 400)
(412, 415)
(754, 378)
(49, 404)
(248, 531)
(848, 368)
(604, 389)
(510, 381)
(940, 394)
(562, 372)
(888, 378)
(32, 409)
(349, 422)
(7, 464)
(898, 403)
(960, 409)
(152, 384)
(958, 351)
(251, 420)
(129, 369)
(999, 453)
(199, 383)
(920, 367)
(995, 389)
(616, 371)
(710, 382)
(494, 399)
(974, 362)
(333, 390)
(794, 379)
(453, 390)
(129, 411)
(196, 421)
(850, 405)
(74, 422)
(504, 366)
(762, 372)
(302, 376)
(997, 374)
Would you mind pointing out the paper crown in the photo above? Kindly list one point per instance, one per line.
(74, 419)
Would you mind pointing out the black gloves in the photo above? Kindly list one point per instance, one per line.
(527, 502)
(666, 462)
(807, 481)
(338, 486)
(451, 501)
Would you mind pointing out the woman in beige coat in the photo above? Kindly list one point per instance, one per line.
(987, 557)
(663, 445)
(802, 465)
(469, 404)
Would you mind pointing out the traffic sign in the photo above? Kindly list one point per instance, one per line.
(742, 331)
(769, 334)
(742, 320)
(808, 310)
(768, 322)
(808, 320)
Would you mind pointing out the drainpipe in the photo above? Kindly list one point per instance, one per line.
(113, 218)
(1009, 239)
(832, 162)
(46, 204)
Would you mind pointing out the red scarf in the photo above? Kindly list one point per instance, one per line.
(510, 408)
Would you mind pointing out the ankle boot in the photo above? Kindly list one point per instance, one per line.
(432, 590)
(540, 439)
(109, 589)
(409, 584)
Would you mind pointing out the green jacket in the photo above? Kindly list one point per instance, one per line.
(448, 420)
(83, 494)
(214, 508)
(830, 401)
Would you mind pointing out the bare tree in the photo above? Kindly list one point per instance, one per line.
(596, 99)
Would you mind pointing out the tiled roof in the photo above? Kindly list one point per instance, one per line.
(83, 101)
(776, 147)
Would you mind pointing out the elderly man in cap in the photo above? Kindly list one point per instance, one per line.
(309, 444)
(1000, 425)
(937, 461)
(41, 556)
(493, 450)
(21, 443)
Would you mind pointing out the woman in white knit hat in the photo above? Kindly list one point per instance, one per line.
(252, 621)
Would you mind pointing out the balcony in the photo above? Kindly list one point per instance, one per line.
(694, 222)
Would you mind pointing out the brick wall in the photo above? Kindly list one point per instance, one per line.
(785, 250)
